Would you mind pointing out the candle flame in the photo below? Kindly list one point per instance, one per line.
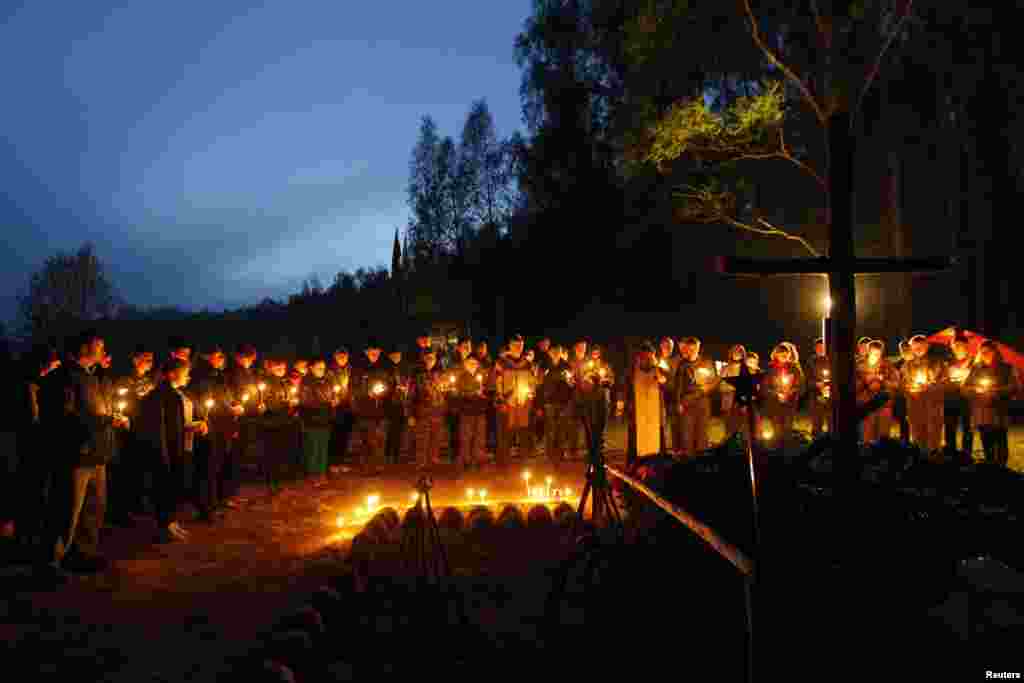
(262, 386)
(526, 475)
(470, 493)
(337, 388)
(121, 405)
(294, 390)
(122, 391)
(209, 403)
(341, 521)
(378, 388)
(245, 397)
(372, 501)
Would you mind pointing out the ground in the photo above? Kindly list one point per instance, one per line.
(183, 612)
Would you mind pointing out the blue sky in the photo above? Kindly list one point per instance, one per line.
(220, 152)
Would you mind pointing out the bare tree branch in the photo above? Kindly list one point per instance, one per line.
(759, 39)
(876, 66)
(713, 207)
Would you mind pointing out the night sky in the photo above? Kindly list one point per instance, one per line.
(220, 152)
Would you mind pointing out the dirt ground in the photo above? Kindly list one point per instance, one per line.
(183, 612)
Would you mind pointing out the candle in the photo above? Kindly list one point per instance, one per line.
(415, 497)
(293, 391)
(337, 388)
(451, 379)
(122, 391)
(262, 387)
(601, 373)
(378, 389)
(483, 495)
(548, 482)
(372, 501)
(921, 378)
(209, 403)
(825, 372)
(786, 379)
(986, 384)
(245, 397)
(341, 521)
(470, 493)
(662, 364)
(121, 406)
(526, 478)
(568, 493)
(767, 432)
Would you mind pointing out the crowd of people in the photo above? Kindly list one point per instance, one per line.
(175, 431)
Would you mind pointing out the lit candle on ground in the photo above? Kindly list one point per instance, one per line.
(470, 494)
(526, 478)
(483, 495)
(567, 493)
(548, 482)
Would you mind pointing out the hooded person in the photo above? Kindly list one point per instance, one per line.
(397, 406)
(956, 408)
(373, 387)
(781, 388)
(874, 375)
(556, 408)
(428, 405)
(922, 380)
(340, 373)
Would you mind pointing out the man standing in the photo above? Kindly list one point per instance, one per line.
(461, 351)
(696, 378)
(126, 476)
(396, 407)
(989, 387)
(340, 374)
(372, 390)
(428, 407)
(515, 385)
(921, 380)
(671, 425)
(76, 412)
(212, 390)
(578, 368)
(244, 385)
(168, 426)
(555, 398)
(279, 431)
(468, 399)
(899, 404)
(316, 410)
(821, 392)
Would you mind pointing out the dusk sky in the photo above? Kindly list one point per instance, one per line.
(220, 152)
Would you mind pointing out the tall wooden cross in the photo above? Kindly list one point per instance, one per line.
(841, 267)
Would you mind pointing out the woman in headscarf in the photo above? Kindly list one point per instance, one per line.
(989, 387)
(781, 388)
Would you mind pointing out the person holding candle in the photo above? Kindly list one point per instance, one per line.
(463, 348)
(243, 382)
(989, 387)
(670, 425)
(316, 413)
(301, 366)
(556, 406)
(340, 372)
(168, 425)
(781, 388)
(397, 407)
(429, 404)
(78, 413)
(862, 350)
(899, 404)
(956, 407)
(470, 401)
(515, 386)
(579, 367)
(821, 393)
(372, 388)
(735, 414)
(279, 431)
(921, 379)
(696, 378)
(126, 474)
(875, 375)
(212, 389)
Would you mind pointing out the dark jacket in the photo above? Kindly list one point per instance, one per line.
(366, 402)
(468, 396)
(316, 406)
(554, 386)
(161, 424)
(694, 381)
(428, 392)
(75, 410)
(342, 376)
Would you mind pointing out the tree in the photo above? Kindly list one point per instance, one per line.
(69, 290)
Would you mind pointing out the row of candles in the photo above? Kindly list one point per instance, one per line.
(473, 496)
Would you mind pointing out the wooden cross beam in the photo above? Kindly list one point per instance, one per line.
(746, 267)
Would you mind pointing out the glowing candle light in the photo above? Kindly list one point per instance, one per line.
(121, 406)
(371, 502)
(767, 433)
(470, 494)
(483, 495)
(414, 497)
(378, 389)
(451, 379)
(341, 521)
(548, 482)
(209, 403)
(262, 387)
(662, 364)
(337, 388)
(122, 391)
(825, 372)
(986, 384)
(245, 397)
(526, 478)
(568, 492)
